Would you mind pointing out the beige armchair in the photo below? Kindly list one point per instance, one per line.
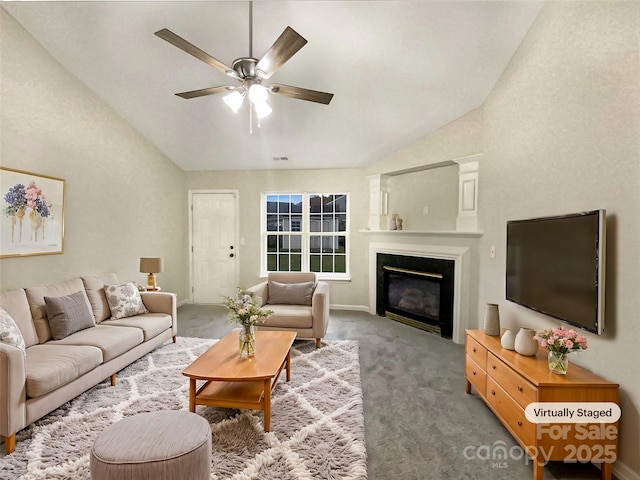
(299, 302)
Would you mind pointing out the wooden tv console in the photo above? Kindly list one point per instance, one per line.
(508, 382)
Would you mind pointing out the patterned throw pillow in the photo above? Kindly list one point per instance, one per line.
(9, 331)
(124, 300)
(68, 314)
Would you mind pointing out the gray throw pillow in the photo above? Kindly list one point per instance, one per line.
(68, 314)
(290, 293)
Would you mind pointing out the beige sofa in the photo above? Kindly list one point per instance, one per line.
(52, 372)
(299, 302)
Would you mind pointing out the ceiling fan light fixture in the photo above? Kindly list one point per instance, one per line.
(234, 100)
(258, 94)
(251, 72)
(262, 109)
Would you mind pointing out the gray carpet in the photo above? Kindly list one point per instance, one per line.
(317, 424)
(418, 419)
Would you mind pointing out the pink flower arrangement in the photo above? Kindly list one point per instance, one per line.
(33, 193)
(561, 340)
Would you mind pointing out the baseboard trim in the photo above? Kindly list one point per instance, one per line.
(623, 472)
(358, 308)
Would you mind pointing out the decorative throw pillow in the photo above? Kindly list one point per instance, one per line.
(290, 293)
(9, 331)
(68, 314)
(124, 300)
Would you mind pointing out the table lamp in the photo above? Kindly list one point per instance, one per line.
(151, 265)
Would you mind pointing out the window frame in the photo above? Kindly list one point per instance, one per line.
(305, 233)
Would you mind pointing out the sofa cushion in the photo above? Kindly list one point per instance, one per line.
(290, 293)
(16, 304)
(124, 300)
(68, 314)
(94, 286)
(36, 295)
(111, 340)
(289, 316)
(151, 324)
(9, 331)
(51, 366)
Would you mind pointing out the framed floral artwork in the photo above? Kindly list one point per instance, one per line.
(31, 214)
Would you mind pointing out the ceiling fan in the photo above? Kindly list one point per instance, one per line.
(251, 72)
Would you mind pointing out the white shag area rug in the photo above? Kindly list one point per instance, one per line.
(317, 419)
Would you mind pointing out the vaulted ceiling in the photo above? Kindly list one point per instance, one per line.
(399, 70)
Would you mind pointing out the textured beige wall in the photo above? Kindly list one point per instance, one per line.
(460, 138)
(251, 184)
(124, 199)
(562, 134)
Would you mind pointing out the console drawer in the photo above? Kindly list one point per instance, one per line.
(476, 375)
(511, 414)
(513, 383)
(477, 352)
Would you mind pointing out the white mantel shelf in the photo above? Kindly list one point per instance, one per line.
(434, 233)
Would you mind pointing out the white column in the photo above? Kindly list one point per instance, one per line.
(378, 202)
(467, 220)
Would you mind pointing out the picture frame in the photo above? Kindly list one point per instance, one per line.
(31, 214)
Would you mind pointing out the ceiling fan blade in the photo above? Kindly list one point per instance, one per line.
(191, 49)
(206, 91)
(301, 93)
(285, 47)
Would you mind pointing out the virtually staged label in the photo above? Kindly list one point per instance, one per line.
(572, 412)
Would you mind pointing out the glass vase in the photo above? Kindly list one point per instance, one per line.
(558, 362)
(247, 341)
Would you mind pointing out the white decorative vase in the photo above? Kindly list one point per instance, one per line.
(508, 340)
(393, 225)
(525, 343)
(492, 320)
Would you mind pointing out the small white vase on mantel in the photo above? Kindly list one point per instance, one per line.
(525, 343)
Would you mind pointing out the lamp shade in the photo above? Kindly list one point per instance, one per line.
(234, 100)
(151, 264)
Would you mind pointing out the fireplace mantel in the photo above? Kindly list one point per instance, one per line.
(435, 233)
(460, 256)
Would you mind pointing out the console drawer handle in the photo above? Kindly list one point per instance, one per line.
(493, 392)
(519, 423)
(519, 388)
(474, 372)
(474, 349)
(493, 366)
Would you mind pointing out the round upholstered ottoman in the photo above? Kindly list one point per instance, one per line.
(156, 445)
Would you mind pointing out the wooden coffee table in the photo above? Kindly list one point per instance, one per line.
(234, 382)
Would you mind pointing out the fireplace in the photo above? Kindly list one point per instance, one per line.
(460, 258)
(417, 291)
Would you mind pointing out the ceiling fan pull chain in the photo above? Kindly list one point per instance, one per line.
(250, 119)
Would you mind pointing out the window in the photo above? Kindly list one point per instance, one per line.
(306, 232)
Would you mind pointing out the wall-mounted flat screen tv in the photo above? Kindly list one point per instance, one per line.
(556, 266)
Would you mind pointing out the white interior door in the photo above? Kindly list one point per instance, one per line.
(214, 251)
